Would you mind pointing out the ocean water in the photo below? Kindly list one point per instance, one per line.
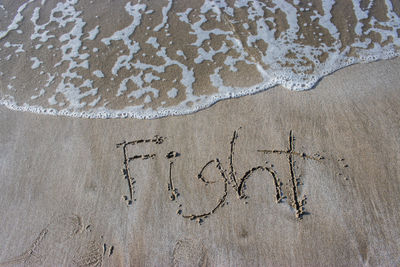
(149, 59)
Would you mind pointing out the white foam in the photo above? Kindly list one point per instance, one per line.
(147, 99)
(173, 93)
(181, 53)
(50, 80)
(93, 33)
(149, 77)
(36, 63)
(94, 102)
(17, 19)
(52, 100)
(165, 11)
(203, 35)
(153, 41)
(41, 92)
(124, 34)
(208, 55)
(44, 35)
(136, 79)
(184, 16)
(216, 6)
(98, 73)
(219, 49)
(20, 47)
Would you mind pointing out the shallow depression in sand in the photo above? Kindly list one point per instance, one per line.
(149, 59)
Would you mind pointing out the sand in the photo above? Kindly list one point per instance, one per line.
(64, 199)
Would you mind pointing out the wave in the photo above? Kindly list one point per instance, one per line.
(96, 59)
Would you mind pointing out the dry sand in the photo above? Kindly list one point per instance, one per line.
(62, 189)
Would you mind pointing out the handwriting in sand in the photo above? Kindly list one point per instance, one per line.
(228, 176)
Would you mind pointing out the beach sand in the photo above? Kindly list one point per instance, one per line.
(64, 197)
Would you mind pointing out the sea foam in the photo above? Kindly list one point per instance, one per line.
(161, 58)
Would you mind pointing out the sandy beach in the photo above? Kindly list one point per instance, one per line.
(280, 156)
(65, 199)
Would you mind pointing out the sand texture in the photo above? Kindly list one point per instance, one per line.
(126, 192)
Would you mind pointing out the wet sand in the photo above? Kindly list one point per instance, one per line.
(64, 199)
(104, 58)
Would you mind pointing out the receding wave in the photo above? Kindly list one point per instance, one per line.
(148, 59)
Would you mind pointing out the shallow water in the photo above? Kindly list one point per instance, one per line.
(149, 59)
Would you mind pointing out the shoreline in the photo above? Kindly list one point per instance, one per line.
(107, 114)
(164, 58)
(62, 186)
